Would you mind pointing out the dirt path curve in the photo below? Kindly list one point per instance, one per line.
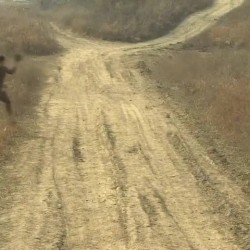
(109, 166)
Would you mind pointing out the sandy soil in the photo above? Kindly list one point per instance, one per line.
(108, 165)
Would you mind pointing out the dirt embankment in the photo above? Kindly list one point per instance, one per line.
(131, 20)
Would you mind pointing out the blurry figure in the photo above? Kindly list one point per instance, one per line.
(45, 4)
(42, 4)
(3, 71)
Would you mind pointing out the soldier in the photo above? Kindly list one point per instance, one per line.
(3, 71)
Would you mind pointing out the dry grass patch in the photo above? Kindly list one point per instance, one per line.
(214, 87)
(233, 31)
(235, 35)
(231, 110)
(224, 75)
(24, 31)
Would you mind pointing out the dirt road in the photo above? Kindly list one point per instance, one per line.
(108, 165)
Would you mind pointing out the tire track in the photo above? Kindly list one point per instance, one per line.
(138, 182)
(119, 174)
(144, 130)
(233, 217)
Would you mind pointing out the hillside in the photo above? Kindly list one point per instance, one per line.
(131, 20)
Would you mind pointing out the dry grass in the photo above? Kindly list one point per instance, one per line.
(231, 111)
(235, 35)
(215, 87)
(23, 31)
(131, 20)
(233, 31)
